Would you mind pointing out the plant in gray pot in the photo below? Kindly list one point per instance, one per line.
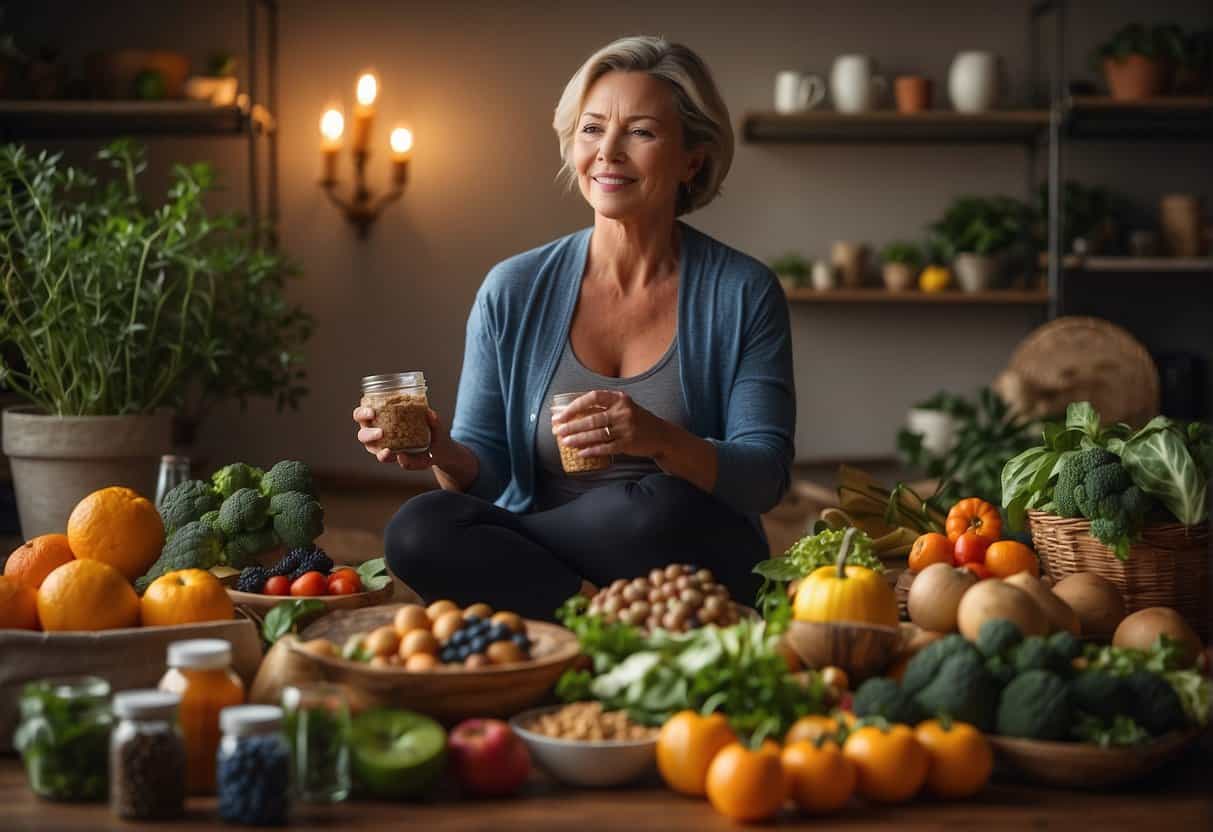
(979, 234)
(120, 315)
(900, 262)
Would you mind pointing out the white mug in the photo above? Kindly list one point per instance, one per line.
(973, 81)
(824, 277)
(854, 84)
(796, 92)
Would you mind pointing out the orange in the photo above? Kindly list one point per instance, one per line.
(117, 526)
(18, 606)
(961, 758)
(820, 779)
(186, 596)
(1005, 558)
(747, 786)
(929, 548)
(33, 560)
(686, 746)
(891, 764)
(87, 595)
(811, 728)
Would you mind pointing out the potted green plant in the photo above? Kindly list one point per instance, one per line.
(220, 84)
(1137, 60)
(900, 262)
(1088, 218)
(1194, 75)
(121, 314)
(978, 234)
(791, 269)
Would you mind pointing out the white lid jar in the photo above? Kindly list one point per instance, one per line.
(401, 410)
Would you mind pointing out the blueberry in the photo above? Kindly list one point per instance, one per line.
(458, 637)
(500, 632)
(472, 620)
(522, 641)
(448, 654)
(463, 651)
(479, 644)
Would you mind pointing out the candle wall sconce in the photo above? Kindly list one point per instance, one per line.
(363, 207)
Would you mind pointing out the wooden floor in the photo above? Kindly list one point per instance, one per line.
(1178, 798)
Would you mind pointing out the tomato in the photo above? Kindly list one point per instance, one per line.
(309, 583)
(961, 759)
(820, 779)
(685, 748)
(747, 786)
(979, 569)
(929, 548)
(1004, 558)
(892, 765)
(811, 728)
(344, 582)
(278, 585)
(974, 514)
(970, 548)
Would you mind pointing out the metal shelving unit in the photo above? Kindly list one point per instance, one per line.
(882, 126)
(254, 121)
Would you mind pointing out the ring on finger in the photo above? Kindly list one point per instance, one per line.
(607, 428)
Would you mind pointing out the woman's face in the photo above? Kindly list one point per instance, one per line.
(628, 152)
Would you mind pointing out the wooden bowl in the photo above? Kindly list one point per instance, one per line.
(862, 650)
(447, 693)
(261, 604)
(1084, 765)
(905, 579)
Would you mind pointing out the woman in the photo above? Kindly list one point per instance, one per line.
(682, 342)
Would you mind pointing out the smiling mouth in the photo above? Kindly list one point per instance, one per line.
(612, 180)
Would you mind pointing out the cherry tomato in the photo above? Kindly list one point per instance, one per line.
(278, 585)
(309, 583)
(344, 582)
(971, 548)
(979, 569)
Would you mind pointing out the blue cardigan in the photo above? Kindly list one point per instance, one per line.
(734, 345)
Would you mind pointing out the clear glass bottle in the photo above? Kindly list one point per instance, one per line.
(147, 757)
(174, 470)
(200, 672)
(401, 406)
(253, 766)
(318, 729)
(570, 461)
(64, 735)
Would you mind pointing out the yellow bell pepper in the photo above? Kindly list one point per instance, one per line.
(934, 279)
(846, 593)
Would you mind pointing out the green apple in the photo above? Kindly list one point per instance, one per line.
(396, 754)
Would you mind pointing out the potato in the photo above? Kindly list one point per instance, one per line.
(1095, 600)
(475, 661)
(935, 595)
(382, 641)
(1142, 628)
(436, 609)
(418, 641)
(419, 662)
(411, 617)
(998, 599)
(380, 662)
(446, 625)
(478, 611)
(1061, 616)
(504, 652)
(319, 647)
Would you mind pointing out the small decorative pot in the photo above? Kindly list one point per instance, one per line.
(823, 276)
(937, 428)
(1134, 78)
(973, 81)
(975, 272)
(898, 277)
(850, 259)
(913, 93)
(789, 281)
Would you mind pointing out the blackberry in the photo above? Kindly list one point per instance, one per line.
(289, 563)
(312, 560)
(253, 578)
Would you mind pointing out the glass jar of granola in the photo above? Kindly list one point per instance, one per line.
(570, 460)
(401, 407)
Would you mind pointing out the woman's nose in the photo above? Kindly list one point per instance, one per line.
(611, 146)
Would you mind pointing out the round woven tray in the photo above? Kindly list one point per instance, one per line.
(1168, 567)
(1076, 358)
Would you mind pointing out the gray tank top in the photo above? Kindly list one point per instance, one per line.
(658, 390)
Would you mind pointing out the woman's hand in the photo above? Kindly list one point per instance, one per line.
(604, 422)
(370, 436)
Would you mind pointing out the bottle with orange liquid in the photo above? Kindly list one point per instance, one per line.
(200, 671)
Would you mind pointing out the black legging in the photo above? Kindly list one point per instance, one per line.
(449, 545)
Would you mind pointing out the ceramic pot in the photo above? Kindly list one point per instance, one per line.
(854, 84)
(1134, 78)
(1179, 219)
(850, 260)
(796, 92)
(788, 281)
(973, 81)
(898, 277)
(913, 94)
(976, 272)
(823, 277)
(937, 428)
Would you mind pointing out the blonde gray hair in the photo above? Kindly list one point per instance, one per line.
(704, 116)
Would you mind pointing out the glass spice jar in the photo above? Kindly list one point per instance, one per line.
(570, 460)
(401, 410)
(63, 737)
(253, 766)
(147, 757)
(200, 672)
(318, 729)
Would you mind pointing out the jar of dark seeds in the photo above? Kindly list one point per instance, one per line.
(147, 757)
(401, 407)
(253, 766)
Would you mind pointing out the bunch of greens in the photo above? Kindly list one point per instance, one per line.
(791, 265)
(734, 670)
(1160, 42)
(902, 252)
(1166, 460)
(1164, 658)
(978, 225)
(802, 557)
(64, 742)
(987, 435)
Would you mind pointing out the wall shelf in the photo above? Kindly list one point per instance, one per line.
(71, 119)
(1166, 118)
(936, 126)
(994, 297)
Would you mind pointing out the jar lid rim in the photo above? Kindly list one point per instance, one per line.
(77, 685)
(145, 704)
(250, 719)
(200, 653)
(390, 381)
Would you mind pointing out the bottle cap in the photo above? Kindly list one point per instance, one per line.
(200, 654)
(243, 720)
(146, 704)
(392, 381)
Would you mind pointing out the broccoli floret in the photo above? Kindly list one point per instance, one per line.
(1036, 705)
(195, 545)
(925, 665)
(1135, 502)
(231, 478)
(240, 551)
(287, 475)
(298, 518)
(244, 511)
(1156, 706)
(187, 502)
(1101, 694)
(1094, 484)
(962, 690)
(880, 696)
(211, 517)
(1107, 480)
(1001, 670)
(1036, 654)
(1072, 474)
(1065, 646)
(997, 636)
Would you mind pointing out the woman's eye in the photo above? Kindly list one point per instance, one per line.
(645, 133)
(590, 128)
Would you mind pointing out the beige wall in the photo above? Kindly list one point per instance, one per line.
(477, 82)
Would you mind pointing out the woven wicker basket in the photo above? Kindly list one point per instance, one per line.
(1168, 567)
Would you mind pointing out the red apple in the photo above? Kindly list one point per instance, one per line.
(488, 758)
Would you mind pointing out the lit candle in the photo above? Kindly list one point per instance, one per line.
(402, 151)
(364, 113)
(332, 125)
